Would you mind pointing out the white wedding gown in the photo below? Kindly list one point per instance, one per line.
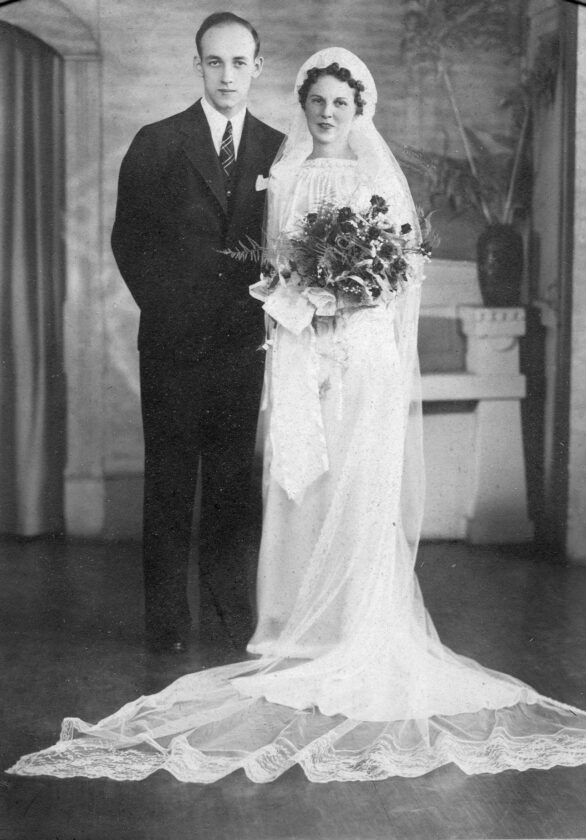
(352, 682)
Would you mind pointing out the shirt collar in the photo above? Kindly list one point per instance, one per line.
(217, 123)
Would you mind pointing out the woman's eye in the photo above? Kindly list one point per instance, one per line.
(341, 103)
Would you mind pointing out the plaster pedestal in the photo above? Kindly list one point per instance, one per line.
(498, 506)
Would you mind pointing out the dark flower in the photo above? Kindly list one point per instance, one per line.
(386, 251)
(345, 214)
(311, 218)
(406, 228)
(379, 205)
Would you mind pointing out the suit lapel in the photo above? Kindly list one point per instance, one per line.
(249, 165)
(199, 149)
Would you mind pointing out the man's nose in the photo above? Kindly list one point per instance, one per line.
(227, 74)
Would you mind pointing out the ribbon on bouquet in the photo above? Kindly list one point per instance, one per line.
(298, 442)
(297, 434)
(294, 306)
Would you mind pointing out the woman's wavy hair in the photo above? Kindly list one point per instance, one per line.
(340, 73)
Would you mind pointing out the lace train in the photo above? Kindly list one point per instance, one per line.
(201, 728)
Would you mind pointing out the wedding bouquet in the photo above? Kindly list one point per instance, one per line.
(337, 258)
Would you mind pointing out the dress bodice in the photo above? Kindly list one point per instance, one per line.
(292, 193)
(323, 180)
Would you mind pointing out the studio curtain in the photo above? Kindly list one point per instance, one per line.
(32, 382)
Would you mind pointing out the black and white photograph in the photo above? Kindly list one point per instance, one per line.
(292, 436)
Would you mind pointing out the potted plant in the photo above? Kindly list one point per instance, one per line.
(493, 177)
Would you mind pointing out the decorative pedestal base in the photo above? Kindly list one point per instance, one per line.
(498, 505)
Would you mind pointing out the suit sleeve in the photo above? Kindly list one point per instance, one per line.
(134, 235)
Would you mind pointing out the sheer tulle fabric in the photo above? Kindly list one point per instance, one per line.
(352, 682)
(200, 729)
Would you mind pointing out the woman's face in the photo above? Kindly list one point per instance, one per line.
(330, 111)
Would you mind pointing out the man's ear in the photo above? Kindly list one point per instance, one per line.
(258, 64)
(197, 65)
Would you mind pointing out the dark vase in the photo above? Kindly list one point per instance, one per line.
(500, 265)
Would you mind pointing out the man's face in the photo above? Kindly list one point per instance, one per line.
(228, 66)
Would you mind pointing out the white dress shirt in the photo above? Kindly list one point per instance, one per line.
(217, 123)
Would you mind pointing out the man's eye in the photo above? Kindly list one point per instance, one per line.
(240, 63)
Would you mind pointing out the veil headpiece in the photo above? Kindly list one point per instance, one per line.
(298, 143)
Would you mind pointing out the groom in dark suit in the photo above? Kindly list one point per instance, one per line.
(191, 186)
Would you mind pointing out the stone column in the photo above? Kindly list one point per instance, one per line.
(498, 507)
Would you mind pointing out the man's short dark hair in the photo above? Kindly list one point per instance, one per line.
(221, 19)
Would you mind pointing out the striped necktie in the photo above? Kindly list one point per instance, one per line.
(227, 156)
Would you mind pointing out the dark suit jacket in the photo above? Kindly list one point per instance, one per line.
(172, 221)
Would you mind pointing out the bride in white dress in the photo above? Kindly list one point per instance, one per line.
(349, 678)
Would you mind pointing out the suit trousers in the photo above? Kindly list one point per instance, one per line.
(205, 409)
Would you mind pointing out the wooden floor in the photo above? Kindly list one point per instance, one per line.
(71, 616)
